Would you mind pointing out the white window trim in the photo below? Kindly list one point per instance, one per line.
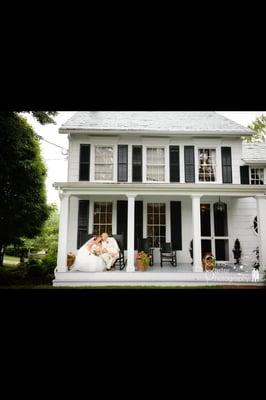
(91, 213)
(166, 162)
(218, 163)
(257, 167)
(167, 217)
(114, 147)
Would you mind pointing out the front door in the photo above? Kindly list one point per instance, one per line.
(214, 232)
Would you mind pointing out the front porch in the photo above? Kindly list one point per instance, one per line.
(190, 198)
(156, 276)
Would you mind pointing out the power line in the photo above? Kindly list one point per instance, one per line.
(53, 144)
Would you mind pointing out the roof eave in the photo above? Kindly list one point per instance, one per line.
(254, 161)
(154, 132)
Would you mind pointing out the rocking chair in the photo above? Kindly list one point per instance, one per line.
(168, 255)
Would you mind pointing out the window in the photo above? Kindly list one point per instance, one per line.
(102, 221)
(155, 165)
(257, 176)
(207, 165)
(156, 224)
(103, 163)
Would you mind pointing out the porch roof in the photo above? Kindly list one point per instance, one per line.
(167, 189)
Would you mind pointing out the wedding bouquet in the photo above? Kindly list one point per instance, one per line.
(96, 251)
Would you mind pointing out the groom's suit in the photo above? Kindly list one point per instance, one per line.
(112, 252)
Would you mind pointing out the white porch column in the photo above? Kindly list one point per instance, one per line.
(73, 223)
(62, 236)
(196, 229)
(261, 215)
(130, 232)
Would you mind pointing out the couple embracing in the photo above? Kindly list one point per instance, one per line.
(97, 254)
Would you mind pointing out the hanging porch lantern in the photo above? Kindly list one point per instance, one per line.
(219, 206)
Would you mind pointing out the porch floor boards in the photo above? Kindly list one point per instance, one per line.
(156, 276)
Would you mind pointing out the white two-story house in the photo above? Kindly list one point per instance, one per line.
(160, 175)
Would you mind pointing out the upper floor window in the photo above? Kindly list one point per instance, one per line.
(207, 165)
(104, 163)
(155, 164)
(257, 176)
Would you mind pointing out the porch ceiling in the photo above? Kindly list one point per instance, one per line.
(162, 189)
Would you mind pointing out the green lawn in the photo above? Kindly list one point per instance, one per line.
(10, 261)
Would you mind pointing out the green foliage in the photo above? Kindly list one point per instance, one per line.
(145, 259)
(48, 237)
(43, 117)
(259, 128)
(35, 269)
(23, 208)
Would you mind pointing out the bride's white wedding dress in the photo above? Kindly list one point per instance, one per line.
(87, 262)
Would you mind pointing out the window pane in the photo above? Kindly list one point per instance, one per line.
(162, 219)
(156, 219)
(150, 218)
(150, 230)
(156, 208)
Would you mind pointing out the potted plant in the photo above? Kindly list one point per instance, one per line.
(70, 259)
(209, 262)
(142, 260)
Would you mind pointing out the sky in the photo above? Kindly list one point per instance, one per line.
(56, 160)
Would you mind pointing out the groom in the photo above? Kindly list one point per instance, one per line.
(110, 250)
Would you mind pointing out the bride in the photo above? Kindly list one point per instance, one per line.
(88, 257)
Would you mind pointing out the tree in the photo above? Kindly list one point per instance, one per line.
(259, 128)
(48, 237)
(23, 207)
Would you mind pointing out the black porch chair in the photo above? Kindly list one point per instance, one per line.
(168, 255)
(121, 258)
(143, 245)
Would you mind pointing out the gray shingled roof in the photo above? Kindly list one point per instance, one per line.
(254, 151)
(170, 121)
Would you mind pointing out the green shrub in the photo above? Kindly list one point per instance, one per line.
(12, 251)
(35, 269)
(9, 277)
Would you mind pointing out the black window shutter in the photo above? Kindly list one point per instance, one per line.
(189, 164)
(226, 164)
(137, 163)
(176, 225)
(121, 219)
(244, 174)
(83, 222)
(138, 222)
(84, 162)
(122, 160)
(174, 163)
